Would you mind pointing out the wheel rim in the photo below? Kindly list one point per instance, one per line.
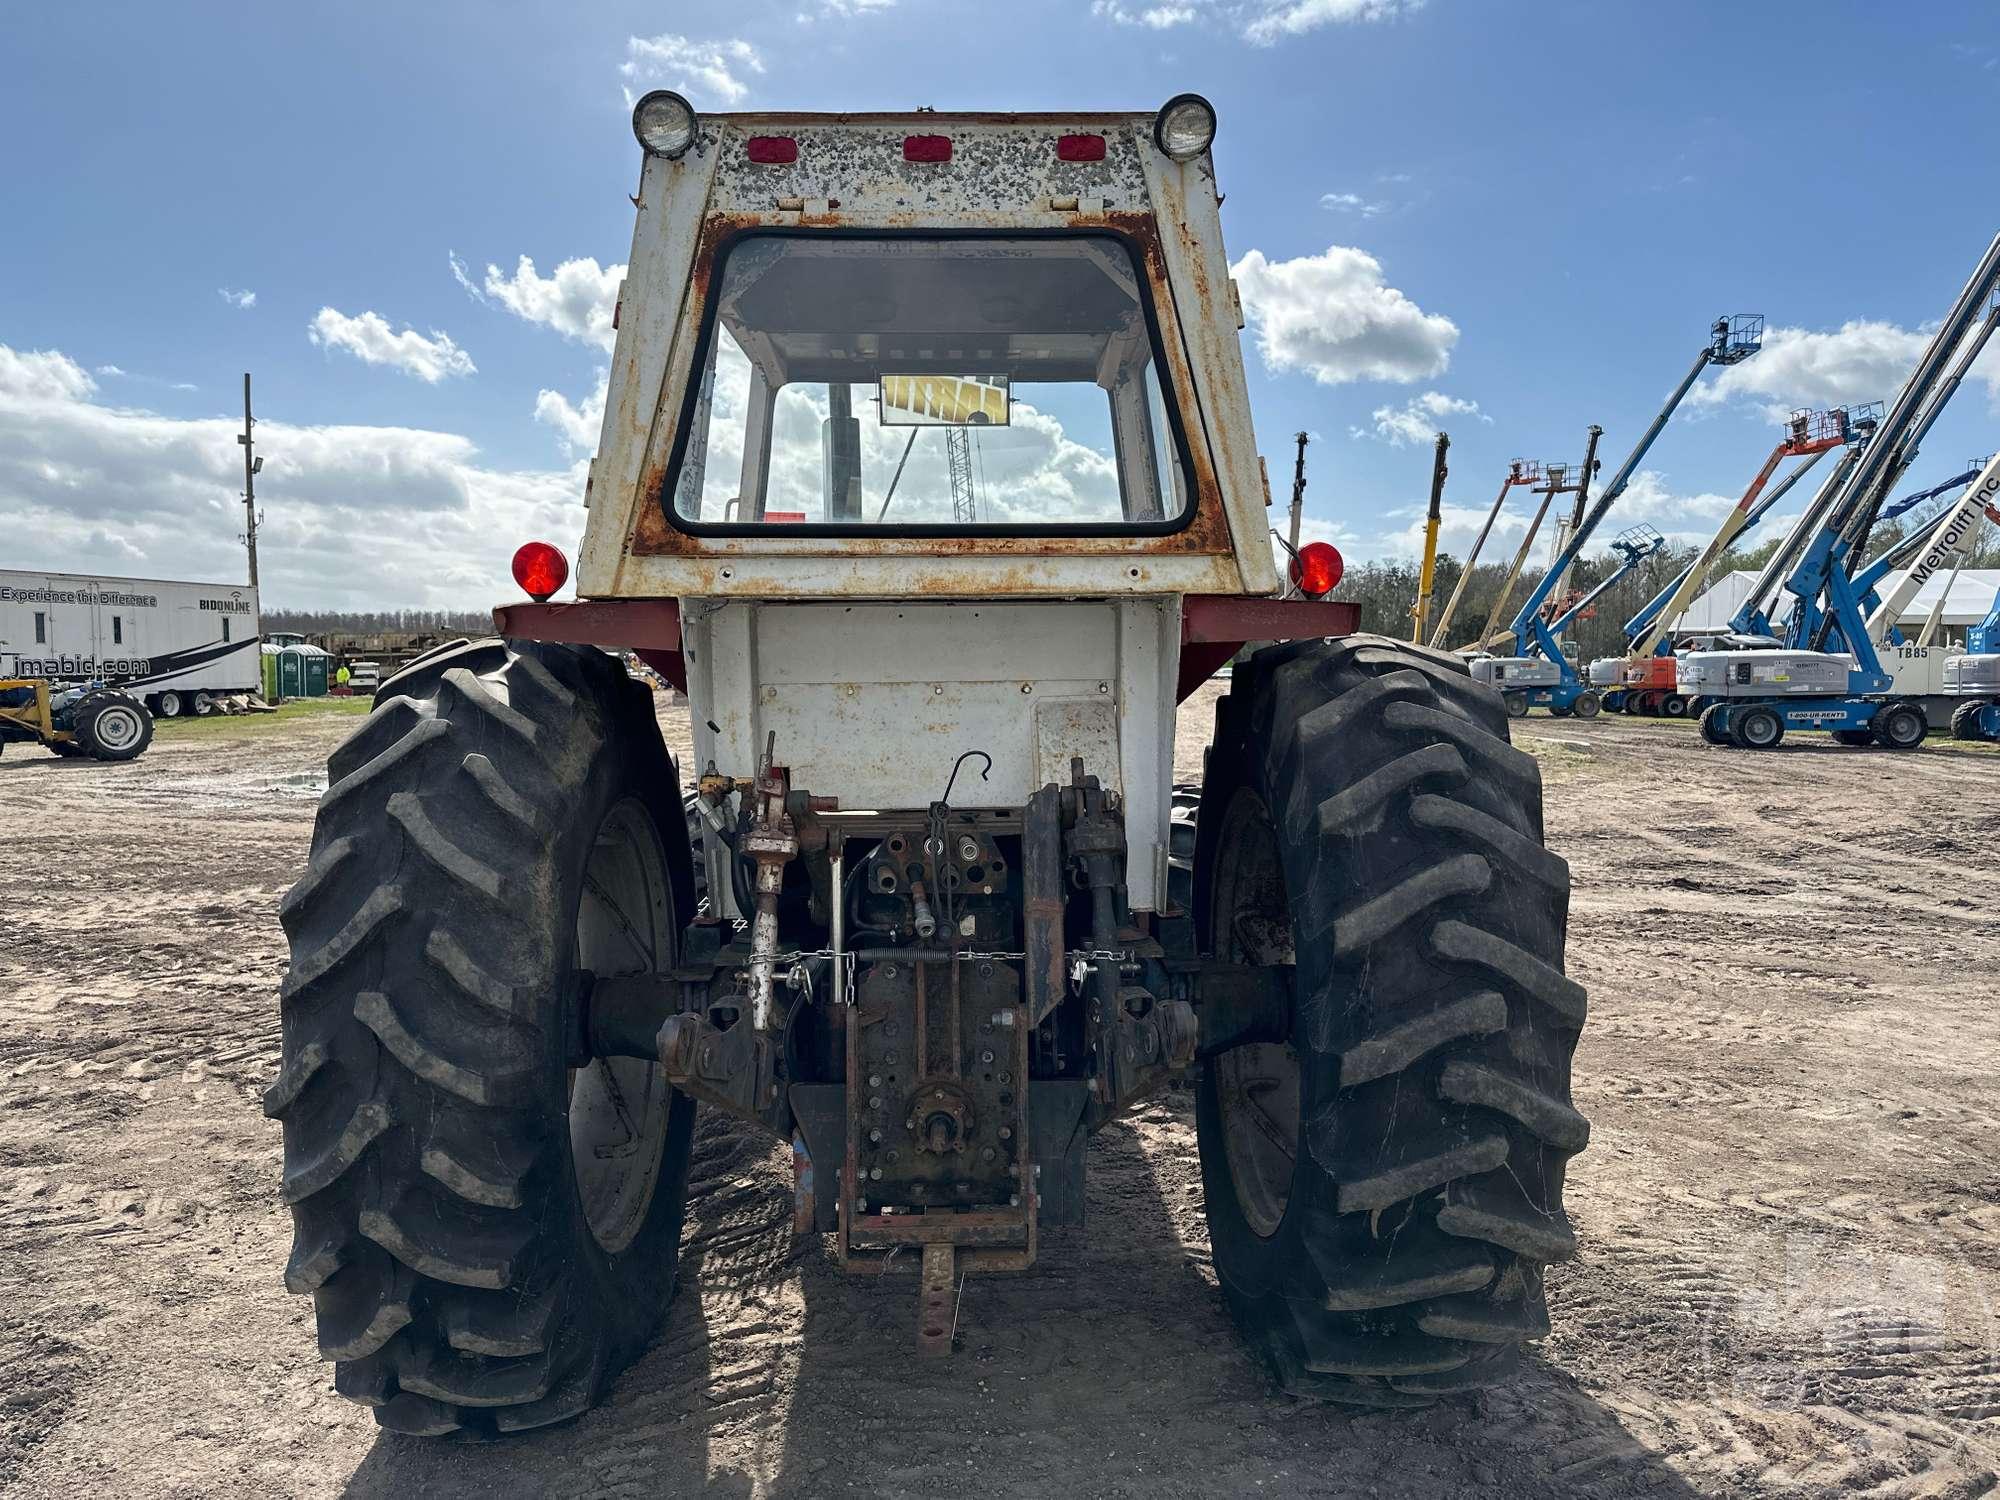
(1760, 730)
(1257, 1085)
(116, 728)
(170, 705)
(619, 1106)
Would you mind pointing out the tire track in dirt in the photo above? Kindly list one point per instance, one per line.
(1787, 1212)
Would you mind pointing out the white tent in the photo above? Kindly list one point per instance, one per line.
(1971, 598)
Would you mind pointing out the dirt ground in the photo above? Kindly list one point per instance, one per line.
(1789, 1212)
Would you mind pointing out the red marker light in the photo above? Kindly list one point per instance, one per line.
(1317, 568)
(772, 150)
(540, 570)
(1079, 148)
(926, 148)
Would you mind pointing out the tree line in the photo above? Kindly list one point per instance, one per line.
(370, 622)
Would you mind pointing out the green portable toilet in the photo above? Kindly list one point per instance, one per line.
(313, 665)
(267, 670)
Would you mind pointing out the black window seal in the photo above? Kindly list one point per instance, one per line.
(1119, 530)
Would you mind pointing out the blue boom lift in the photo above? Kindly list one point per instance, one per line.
(1976, 677)
(1540, 673)
(1749, 697)
(1643, 679)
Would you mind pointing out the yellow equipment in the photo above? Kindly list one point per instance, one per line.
(1420, 611)
(99, 722)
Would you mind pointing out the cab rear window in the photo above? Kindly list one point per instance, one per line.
(852, 382)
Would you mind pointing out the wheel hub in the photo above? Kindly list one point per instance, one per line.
(619, 1106)
(1258, 1085)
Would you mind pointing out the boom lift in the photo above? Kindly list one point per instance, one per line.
(1801, 682)
(1555, 481)
(917, 925)
(1975, 677)
(1428, 572)
(1753, 696)
(1647, 677)
(1607, 673)
(1544, 674)
(1520, 471)
(1524, 685)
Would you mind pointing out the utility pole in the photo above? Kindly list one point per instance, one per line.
(251, 464)
(1298, 502)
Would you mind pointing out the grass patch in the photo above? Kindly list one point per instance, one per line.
(1559, 762)
(216, 725)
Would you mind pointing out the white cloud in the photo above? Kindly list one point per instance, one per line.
(578, 299)
(577, 426)
(1417, 420)
(111, 370)
(706, 71)
(1332, 317)
(235, 298)
(369, 338)
(1261, 22)
(1859, 361)
(1685, 521)
(354, 517)
(1275, 20)
(42, 375)
(841, 10)
(1353, 203)
(1158, 17)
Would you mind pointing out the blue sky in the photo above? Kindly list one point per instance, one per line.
(1533, 209)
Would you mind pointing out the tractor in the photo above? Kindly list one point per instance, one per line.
(74, 720)
(927, 907)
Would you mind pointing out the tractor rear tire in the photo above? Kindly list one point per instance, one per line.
(487, 1223)
(1900, 726)
(1384, 1189)
(112, 726)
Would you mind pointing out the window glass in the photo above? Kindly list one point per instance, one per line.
(955, 383)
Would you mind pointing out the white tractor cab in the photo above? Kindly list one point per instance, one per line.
(927, 472)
